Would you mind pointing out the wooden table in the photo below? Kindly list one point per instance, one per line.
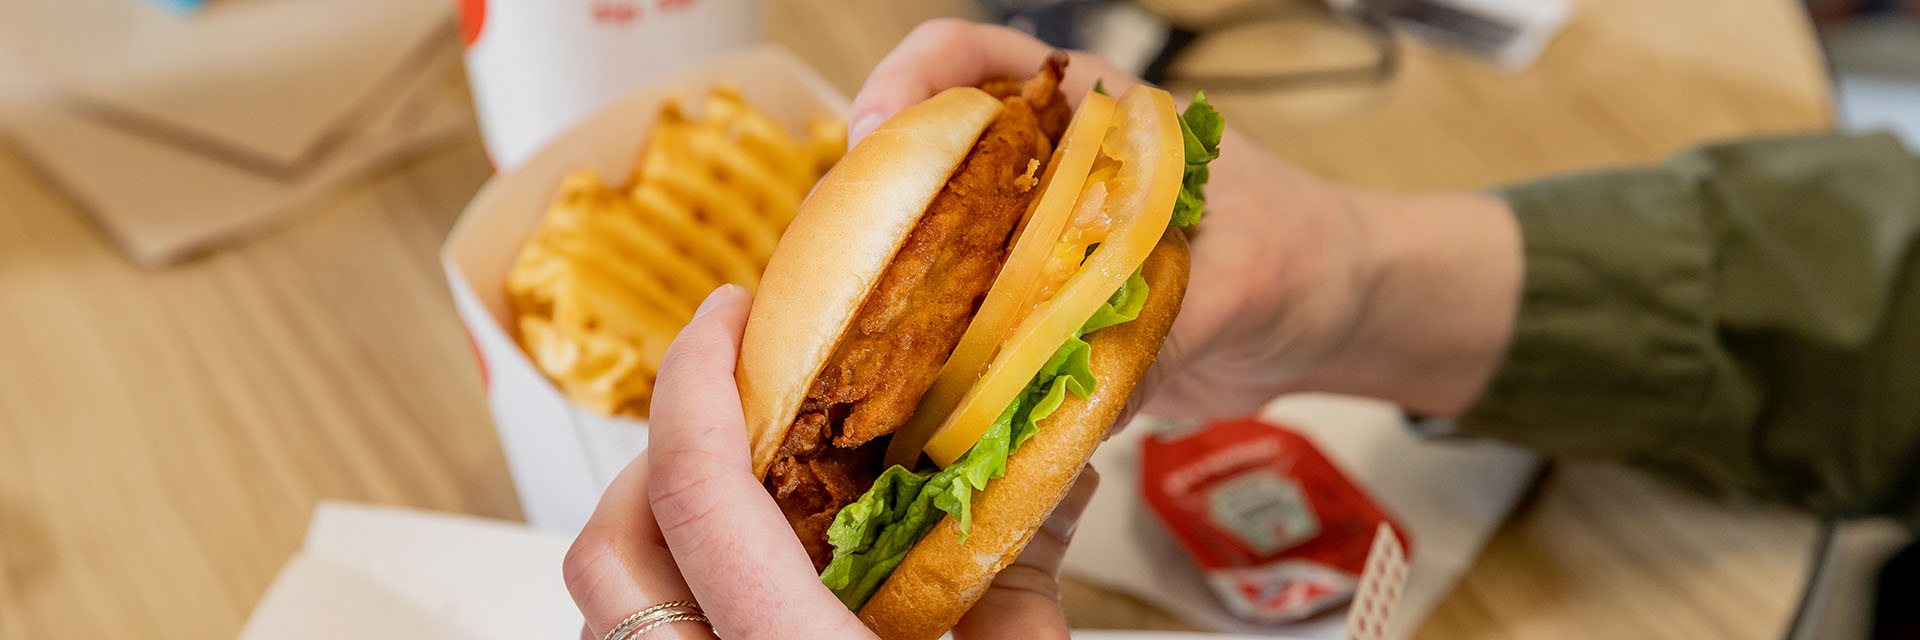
(164, 435)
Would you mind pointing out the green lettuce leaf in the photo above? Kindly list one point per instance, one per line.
(871, 536)
(1125, 304)
(1200, 128)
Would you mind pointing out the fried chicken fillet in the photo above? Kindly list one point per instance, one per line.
(915, 315)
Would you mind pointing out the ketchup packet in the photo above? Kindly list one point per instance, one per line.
(1278, 530)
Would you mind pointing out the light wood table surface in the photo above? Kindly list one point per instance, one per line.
(165, 435)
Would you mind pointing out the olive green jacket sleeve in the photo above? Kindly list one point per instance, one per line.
(1747, 315)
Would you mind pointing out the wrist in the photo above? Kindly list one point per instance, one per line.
(1441, 282)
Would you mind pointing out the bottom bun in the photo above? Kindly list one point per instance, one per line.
(941, 577)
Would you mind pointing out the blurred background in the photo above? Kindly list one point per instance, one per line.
(223, 300)
(1871, 47)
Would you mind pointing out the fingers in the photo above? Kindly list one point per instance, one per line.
(1168, 364)
(1049, 545)
(1146, 396)
(732, 545)
(620, 564)
(947, 52)
(1024, 601)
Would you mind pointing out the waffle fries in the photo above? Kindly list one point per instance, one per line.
(612, 272)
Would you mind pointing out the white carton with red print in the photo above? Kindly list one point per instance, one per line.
(561, 455)
(537, 66)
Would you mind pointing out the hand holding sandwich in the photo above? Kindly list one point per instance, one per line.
(688, 521)
(1298, 283)
(979, 286)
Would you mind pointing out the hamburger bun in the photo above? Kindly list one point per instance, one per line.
(838, 245)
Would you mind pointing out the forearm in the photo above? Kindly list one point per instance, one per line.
(1442, 276)
(1747, 315)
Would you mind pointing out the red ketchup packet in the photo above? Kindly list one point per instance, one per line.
(1277, 528)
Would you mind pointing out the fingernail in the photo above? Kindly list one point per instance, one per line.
(863, 124)
(720, 295)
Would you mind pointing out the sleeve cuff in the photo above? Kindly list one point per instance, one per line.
(1611, 337)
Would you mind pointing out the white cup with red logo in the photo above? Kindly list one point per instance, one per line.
(537, 66)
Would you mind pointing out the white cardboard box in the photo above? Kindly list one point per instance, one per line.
(562, 455)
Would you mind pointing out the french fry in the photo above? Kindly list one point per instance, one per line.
(612, 273)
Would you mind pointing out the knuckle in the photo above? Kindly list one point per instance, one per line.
(583, 567)
(683, 491)
(580, 557)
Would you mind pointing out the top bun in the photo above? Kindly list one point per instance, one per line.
(838, 245)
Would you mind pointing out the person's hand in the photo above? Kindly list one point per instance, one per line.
(1297, 283)
(687, 520)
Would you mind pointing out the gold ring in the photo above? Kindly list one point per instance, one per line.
(656, 616)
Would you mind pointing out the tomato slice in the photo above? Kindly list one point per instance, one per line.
(1137, 204)
(1008, 300)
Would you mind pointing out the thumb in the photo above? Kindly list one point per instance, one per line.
(1024, 600)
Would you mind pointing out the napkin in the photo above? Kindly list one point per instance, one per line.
(180, 130)
(383, 572)
(1450, 495)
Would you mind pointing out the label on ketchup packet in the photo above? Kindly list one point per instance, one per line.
(1280, 532)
